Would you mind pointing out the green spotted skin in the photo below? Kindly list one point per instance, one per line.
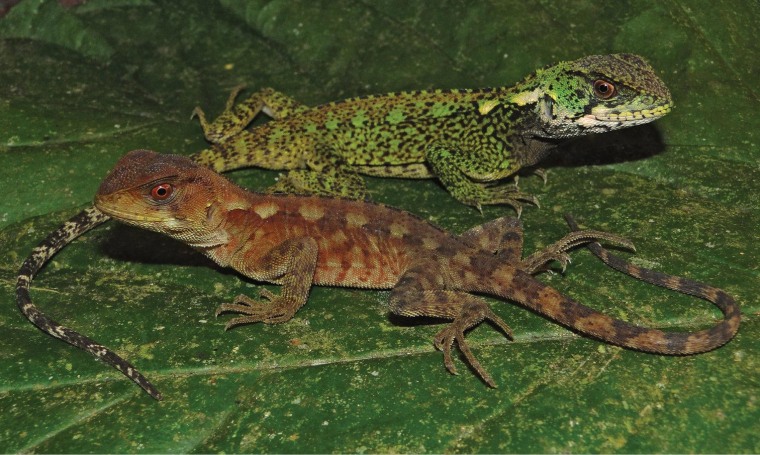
(468, 139)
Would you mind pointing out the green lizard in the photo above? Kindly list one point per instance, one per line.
(468, 139)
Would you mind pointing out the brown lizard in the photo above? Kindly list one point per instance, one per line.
(300, 241)
(508, 230)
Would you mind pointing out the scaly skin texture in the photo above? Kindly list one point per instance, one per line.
(299, 241)
(468, 139)
(553, 103)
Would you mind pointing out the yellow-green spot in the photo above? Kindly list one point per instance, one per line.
(527, 97)
(440, 110)
(484, 107)
(332, 124)
(359, 119)
(311, 128)
(395, 116)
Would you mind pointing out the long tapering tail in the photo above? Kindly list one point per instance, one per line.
(523, 288)
(71, 229)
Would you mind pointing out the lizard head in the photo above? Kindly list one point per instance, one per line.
(164, 193)
(594, 94)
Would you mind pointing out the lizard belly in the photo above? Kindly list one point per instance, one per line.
(409, 171)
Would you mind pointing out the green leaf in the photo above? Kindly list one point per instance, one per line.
(83, 85)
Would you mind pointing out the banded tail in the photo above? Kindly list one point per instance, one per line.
(71, 229)
(505, 282)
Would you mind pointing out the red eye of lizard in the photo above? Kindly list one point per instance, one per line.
(603, 89)
(161, 192)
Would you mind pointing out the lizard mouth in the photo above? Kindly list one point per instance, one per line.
(645, 115)
(104, 206)
(606, 119)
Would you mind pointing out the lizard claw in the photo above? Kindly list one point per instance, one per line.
(505, 195)
(198, 112)
(274, 311)
(540, 263)
(542, 173)
(472, 314)
(518, 209)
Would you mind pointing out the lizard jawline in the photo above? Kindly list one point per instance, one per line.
(127, 216)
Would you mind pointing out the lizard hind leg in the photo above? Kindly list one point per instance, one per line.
(504, 238)
(326, 175)
(473, 311)
(330, 182)
(235, 118)
(416, 295)
(558, 251)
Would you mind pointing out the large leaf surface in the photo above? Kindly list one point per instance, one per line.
(82, 86)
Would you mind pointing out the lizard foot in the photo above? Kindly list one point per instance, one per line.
(224, 126)
(539, 261)
(508, 194)
(472, 314)
(275, 311)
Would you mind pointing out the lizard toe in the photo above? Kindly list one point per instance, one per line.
(443, 341)
(471, 314)
(274, 311)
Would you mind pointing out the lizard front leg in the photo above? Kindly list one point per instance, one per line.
(421, 291)
(291, 263)
(326, 176)
(453, 165)
(236, 117)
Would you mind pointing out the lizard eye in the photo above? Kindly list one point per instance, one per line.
(603, 89)
(161, 192)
